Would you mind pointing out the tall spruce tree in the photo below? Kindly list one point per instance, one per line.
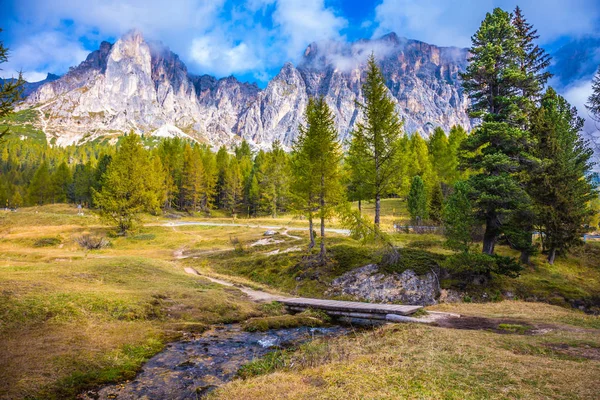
(497, 149)
(130, 185)
(61, 181)
(436, 204)
(533, 59)
(10, 90)
(441, 155)
(459, 219)
(275, 180)
(192, 179)
(417, 200)
(316, 169)
(233, 187)
(562, 186)
(40, 188)
(376, 141)
(593, 103)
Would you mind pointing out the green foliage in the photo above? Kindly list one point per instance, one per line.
(593, 103)
(459, 219)
(40, 189)
(316, 170)
(10, 90)
(465, 265)
(373, 153)
(420, 261)
(417, 200)
(494, 76)
(442, 155)
(436, 204)
(561, 185)
(133, 184)
(262, 366)
(47, 242)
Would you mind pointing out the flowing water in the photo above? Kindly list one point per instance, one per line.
(191, 368)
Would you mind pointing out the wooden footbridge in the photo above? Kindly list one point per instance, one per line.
(352, 309)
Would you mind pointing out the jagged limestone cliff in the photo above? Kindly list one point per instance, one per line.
(142, 86)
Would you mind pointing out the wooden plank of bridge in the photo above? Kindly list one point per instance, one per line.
(350, 306)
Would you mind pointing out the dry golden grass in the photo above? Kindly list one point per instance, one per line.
(70, 318)
(421, 362)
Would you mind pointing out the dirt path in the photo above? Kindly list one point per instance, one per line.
(269, 227)
(255, 295)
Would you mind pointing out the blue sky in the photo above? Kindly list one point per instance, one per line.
(251, 39)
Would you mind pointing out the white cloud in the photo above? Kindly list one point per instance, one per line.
(301, 22)
(213, 36)
(213, 54)
(42, 53)
(451, 23)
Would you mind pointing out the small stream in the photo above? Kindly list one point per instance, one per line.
(191, 368)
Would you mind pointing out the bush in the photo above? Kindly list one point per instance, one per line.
(47, 242)
(420, 261)
(90, 242)
(423, 244)
(471, 264)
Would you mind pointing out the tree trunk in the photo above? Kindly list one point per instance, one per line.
(311, 233)
(322, 215)
(377, 208)
(526, 254)
(322, 254)
(491, 235)
(525, 257)
(359, 206)
(551, 255)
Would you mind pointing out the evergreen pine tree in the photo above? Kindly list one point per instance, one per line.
(233, 187)
(61, 181)
(417, 200)
(441, 155)
(275, 180)
(593, 103)
(497, 149)
(376, 141)
(192, 179)
(209, 189)
(533, 59)
(40, 189)
(222, 163)
(10, 90)
(459, 219)
(129, 189)
(316, 169)
(436, 204)
(455, 138)
(562, 186)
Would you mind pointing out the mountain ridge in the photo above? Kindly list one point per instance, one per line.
(138, 85)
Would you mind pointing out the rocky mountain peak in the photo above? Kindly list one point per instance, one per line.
(142, 85)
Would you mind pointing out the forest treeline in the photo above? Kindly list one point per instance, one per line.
(192, 177)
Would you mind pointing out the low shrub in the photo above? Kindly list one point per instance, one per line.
(90, 242)
(424, 244)
(47, 242)
(420, 261)
(470, 264)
